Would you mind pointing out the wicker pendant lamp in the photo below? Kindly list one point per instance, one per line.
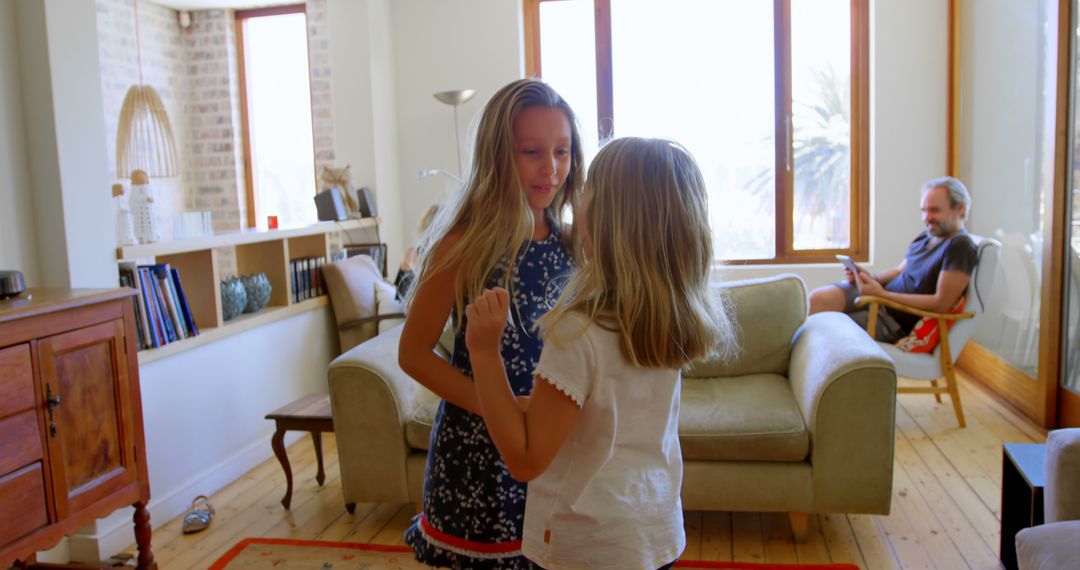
(144, 137)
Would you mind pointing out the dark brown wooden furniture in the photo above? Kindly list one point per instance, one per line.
(1023, 476)
(71, 433)
(310, 413)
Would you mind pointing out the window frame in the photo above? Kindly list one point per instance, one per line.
(240, 16)
(784, 222)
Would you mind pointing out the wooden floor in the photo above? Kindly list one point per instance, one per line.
(945, 509)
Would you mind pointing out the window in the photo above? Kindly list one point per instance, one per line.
(279, 155)
(752, 88)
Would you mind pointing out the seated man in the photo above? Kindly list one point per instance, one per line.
(932, 276)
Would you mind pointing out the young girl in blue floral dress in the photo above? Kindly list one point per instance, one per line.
(503, 229)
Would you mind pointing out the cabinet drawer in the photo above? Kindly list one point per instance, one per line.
(22, 503)
(16, 380)
(20, 441)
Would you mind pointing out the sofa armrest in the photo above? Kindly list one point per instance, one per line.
(845, 386)
(1061, 495)
(372, 399)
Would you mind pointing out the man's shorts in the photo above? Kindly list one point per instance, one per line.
(888, 330)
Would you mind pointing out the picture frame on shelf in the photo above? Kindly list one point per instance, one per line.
(376, 251)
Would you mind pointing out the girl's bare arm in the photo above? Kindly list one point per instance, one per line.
(430, 308)
(529, 438)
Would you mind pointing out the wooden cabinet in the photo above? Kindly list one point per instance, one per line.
(71, 438)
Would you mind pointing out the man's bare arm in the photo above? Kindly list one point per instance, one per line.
(951, 284)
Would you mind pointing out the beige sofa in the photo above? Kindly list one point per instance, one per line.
(802, 422)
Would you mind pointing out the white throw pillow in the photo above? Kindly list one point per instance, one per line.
(385, 304)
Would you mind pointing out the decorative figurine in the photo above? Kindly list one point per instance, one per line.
(143, 214)
(125, 232)
(340, 177)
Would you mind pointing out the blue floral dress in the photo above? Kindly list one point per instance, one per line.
(473, 508)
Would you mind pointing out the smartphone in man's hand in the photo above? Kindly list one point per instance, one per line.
(849, 263)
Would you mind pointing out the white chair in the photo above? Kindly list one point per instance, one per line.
(1020, 300)
(939, 363)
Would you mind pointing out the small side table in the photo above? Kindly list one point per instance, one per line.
(1023, 475)
(310, 413)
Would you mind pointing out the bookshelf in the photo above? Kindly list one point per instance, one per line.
(257, 251)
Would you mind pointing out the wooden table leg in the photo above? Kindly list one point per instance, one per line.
(142, 537)
(278, 443)
(316, 438)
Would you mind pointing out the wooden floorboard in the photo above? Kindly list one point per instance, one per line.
(945, 510)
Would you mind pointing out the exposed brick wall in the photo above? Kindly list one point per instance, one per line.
(319, 61)
(217, 166)
(163, 63)
(195, 71)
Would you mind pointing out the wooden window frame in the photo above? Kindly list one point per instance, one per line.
(784, 193)
(240, 16)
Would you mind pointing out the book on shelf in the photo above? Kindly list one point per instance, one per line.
(127, 280)
(307, 281)
(184, 307)
(162, 314)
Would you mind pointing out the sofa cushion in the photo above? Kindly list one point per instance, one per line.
(1049, 546)
(418, 427)
(767, 313)
(741, 418)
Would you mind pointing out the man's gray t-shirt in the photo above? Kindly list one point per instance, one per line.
(925, 264)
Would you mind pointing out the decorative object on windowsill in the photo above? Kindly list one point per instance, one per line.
(188, 225)
(233, 298)
(258, 291)
(144, 136)
(125, 231)
(143, 212)
(340, 177)
(454, 99)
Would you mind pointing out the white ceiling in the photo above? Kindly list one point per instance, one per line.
(212, 4)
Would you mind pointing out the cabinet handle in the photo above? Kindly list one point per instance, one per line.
(53, 401)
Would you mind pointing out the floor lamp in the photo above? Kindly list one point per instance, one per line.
(455, 99)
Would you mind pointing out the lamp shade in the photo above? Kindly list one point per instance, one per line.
(455, 97)
(144, 138)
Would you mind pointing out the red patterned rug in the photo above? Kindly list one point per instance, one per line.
(286, 554)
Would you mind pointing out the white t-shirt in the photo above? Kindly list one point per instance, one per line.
(610, 498)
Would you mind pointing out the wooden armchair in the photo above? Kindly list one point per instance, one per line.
(939, 363)
(351, 285)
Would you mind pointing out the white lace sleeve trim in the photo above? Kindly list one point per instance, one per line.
(561, 387)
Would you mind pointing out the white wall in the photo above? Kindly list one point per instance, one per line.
(18, 242)
(385, 113)
(364, 108)
(440, 46)
(58, 61)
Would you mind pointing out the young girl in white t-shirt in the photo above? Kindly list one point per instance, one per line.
(598, 440)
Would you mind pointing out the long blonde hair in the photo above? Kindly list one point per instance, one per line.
(491, 212)
(647, 271)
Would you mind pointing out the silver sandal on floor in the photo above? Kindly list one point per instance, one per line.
(199, 516)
